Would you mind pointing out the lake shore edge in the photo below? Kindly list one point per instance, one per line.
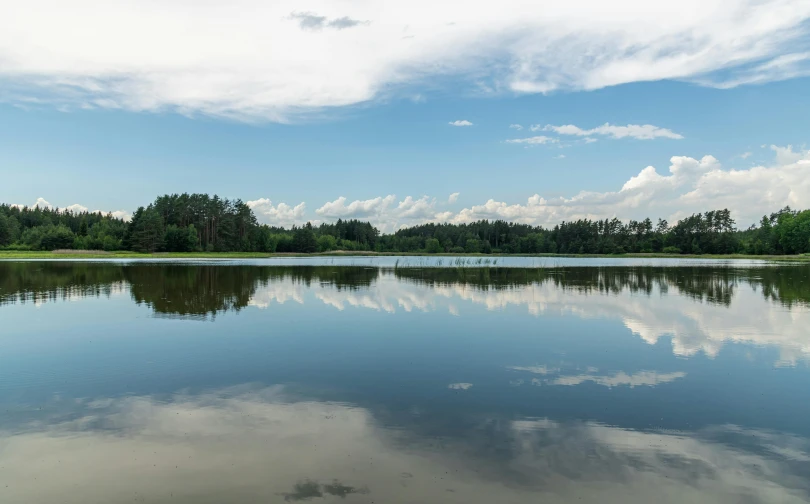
(23, 255)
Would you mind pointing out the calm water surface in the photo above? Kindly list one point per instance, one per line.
(350, 381)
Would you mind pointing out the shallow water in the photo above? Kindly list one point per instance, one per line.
(246, 381)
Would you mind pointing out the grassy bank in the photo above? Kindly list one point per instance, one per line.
(23, 255)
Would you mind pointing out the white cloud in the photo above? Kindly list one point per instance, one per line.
(745, 155)
(277, 215)
(356, 209)
(227, 60)
(76, 208)
(385, 213)
(453, 197)
(691, 326)
(640, 379)
(692, 185)
(535, 140)
(561, 156)
(516, 126)
(637, 131)
(422, 208)
(42, 203)
(786, 155)
(590, 140)
(461, 122)
(219, 441)
(541, 370)
(460, 386)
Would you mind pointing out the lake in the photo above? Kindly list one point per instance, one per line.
(404, 380)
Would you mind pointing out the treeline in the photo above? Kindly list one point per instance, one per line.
(784, 232)
(198, 222)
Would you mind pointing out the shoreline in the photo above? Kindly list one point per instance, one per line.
(23, 255)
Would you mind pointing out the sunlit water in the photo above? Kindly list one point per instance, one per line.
(244, 382)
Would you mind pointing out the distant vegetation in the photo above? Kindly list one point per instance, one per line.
(201, 223)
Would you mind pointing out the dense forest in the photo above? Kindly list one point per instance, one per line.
(198, 222)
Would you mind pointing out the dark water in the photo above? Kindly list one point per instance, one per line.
(242, 383)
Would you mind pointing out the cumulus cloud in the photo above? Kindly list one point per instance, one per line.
(690, 185)
(75, 208)
(277, 215)
(40, 202)
(227, 62)
(356, 209)
(453, 197)
(461, 122)
(385, 212)
(121, 214)
(786, 155)
(637, 131)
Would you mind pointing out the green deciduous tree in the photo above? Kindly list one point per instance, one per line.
(433, 246)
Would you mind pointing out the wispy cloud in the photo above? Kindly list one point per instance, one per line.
(314, 22)
(344, 22)
(453, 197)
(272, 62)
(541, 370)
(460, 386)
(535, 140)
(637, 131)
(516, 126)
(461, 122)
(640, 379)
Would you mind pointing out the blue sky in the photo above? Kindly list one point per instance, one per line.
(76, 129)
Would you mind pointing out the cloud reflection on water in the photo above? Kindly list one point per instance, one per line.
(694, 326)
(268, 445)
